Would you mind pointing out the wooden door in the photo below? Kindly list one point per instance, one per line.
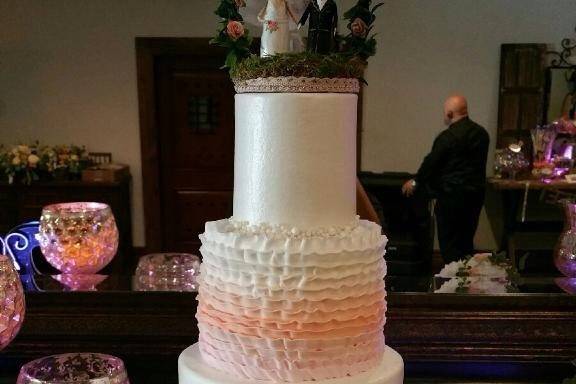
(193, 129)
(521, 91)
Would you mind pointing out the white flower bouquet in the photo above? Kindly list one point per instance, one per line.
(481, 273)
(28, 163)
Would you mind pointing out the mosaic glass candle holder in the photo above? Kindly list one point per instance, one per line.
(78, 238)
(12, 304)
(167, 272)
(80, 282)
(85, 368)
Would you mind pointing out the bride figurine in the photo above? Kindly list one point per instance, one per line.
(276, 28)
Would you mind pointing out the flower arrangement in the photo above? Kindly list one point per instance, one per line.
(232, 34)
(481, 273)
(357, 46)
(361, 19)
(28, 163)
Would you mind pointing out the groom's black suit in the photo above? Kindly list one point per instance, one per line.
(322, 27)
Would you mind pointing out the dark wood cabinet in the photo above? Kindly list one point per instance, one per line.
(22, 203)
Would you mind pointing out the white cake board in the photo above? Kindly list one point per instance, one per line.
(193, 370)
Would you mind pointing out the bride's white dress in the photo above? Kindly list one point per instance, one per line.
(276, 29)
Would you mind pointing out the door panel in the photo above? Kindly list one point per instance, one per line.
(195, 102)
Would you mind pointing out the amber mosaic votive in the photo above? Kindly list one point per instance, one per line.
(77, 368)
(12, 304)
(167, 272)
(78, 238)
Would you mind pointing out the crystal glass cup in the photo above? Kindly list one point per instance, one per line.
(85, 368)
(78, 238)
(167, 272)
(12, 304)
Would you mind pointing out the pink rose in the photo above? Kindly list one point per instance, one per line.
(235, 30)
(359, 27)
(240, 3)
(271, 25)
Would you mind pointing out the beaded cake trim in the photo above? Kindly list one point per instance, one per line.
(297, 85)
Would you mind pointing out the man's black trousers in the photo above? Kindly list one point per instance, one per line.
(457, 215)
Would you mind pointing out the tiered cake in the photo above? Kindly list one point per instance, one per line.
(292, 285)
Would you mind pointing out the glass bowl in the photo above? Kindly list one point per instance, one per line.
(78, 238)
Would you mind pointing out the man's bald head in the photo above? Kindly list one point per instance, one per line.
(455, 108)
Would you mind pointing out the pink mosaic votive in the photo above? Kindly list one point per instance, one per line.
(81, 282)
(167, 272)
(12, 304)
(78, 238)
(84, 368)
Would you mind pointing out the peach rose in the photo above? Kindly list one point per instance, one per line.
(235, 30)
(359, 27)
(240, 3)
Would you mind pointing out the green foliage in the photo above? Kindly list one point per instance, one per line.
(363, 44)
(462, 286)
(227, 10)
(304, 64)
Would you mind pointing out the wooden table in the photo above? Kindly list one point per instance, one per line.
(505, 184)
(515, 195)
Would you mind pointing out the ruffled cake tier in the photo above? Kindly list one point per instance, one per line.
(280, 304)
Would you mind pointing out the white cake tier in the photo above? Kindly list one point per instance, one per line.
(192, 369)
(295, 159)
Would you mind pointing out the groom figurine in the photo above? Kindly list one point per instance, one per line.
(322, 28)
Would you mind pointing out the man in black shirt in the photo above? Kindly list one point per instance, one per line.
(454, 172)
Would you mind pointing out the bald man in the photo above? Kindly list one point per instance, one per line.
(454, 172)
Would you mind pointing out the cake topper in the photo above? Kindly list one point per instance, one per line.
(276, 29)
(278, 20)
(323, 15)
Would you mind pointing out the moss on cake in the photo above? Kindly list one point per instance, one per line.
(304, 64)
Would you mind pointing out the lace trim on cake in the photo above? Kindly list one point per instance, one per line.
(297, 85)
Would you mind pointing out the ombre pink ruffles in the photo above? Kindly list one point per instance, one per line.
(295, 308)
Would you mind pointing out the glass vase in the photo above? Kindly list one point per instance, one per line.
(565, 254)
(78, 238)
(12, 304)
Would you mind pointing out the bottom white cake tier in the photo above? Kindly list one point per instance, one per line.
(193, 370)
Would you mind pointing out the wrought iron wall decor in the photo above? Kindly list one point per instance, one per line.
(561, 58)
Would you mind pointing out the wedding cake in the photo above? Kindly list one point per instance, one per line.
(292, 285)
